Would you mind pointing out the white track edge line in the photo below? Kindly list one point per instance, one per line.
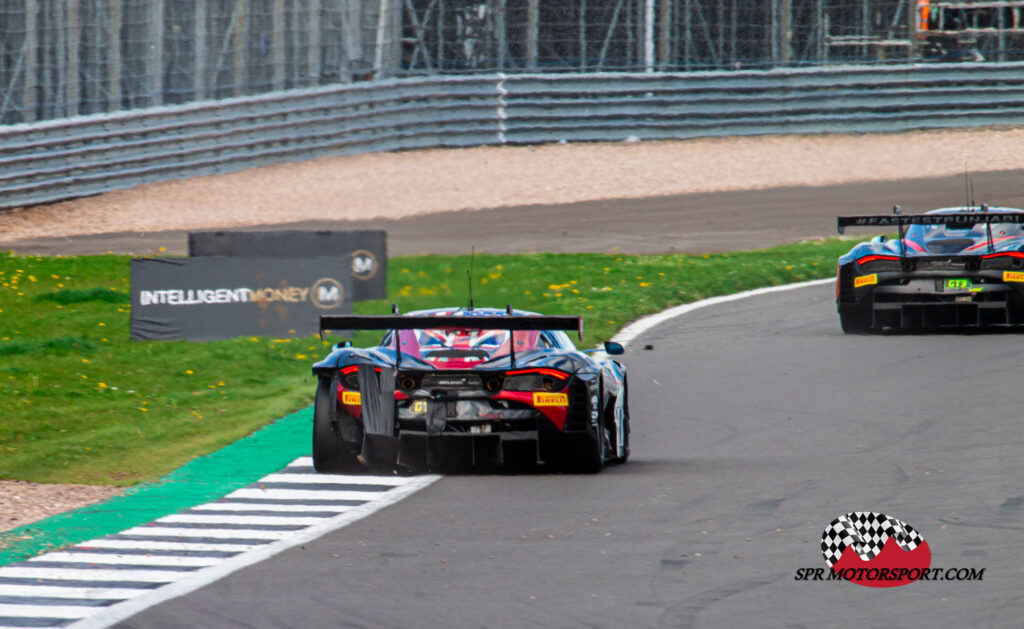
(629, 333)
(123, 611)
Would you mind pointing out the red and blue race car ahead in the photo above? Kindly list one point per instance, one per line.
(468, 388)
(959, 267)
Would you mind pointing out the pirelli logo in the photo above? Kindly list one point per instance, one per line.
(550, 399)
(351, 397)
(865, 280)
(1013, 276)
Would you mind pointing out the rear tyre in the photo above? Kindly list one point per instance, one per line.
(587, 457)
(332, 454)
(856, 318)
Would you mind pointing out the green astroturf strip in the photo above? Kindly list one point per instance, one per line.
(204, 479)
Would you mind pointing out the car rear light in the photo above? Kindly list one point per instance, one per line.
(350, 377)
(1007, 260)
(875, 258)
(535, 380)
(875, 263)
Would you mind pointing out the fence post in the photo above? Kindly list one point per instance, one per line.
(114, 55)
(200, 50)
(532, 21)
(28, 96)
(155, 58)
(241, 39)
(74, 37)
(277, 44)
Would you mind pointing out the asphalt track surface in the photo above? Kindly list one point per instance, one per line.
(690, 223)
(755, 424)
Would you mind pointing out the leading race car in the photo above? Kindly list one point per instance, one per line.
(958, 267)
(468, 388)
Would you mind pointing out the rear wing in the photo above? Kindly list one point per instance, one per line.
(427, 322)
(508, 322)
(960, 219)
(956, 219)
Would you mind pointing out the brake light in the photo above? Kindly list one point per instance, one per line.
(1008, 254)
(875, 258)
(554, 373)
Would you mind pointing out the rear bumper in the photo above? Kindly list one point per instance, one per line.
(459, 451)
(452, 450)
(919, 301)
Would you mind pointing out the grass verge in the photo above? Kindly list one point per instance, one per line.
(82, 403)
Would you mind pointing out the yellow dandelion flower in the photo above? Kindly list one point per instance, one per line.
(102, 325)
(103, 385)
(220, 384)
(85, 360)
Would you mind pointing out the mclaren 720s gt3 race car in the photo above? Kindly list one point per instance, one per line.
(959, 267)
(468, 389)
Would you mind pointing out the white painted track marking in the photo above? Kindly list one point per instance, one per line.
(26, 571)
(169, 530)
(134, 560)
(300, 494)
(47, 611)
(188, 518)
(55, 591)
(269, 506)
(129, 544)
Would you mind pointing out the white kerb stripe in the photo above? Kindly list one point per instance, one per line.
(46, 611)
(169, 530)
(25, 570)
(53, 591)
(328, 479)
(195, 518)
(142, 560)
(305, 494)
(149, 545)
(269, 506)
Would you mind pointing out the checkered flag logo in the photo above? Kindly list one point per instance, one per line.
(867, 532)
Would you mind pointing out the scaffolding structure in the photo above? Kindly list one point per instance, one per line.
(64, 58)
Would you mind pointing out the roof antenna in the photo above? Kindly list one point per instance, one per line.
(469, 275)
(967, 193)
(972, 191)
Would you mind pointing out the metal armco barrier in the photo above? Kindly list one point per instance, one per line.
(75, 157)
